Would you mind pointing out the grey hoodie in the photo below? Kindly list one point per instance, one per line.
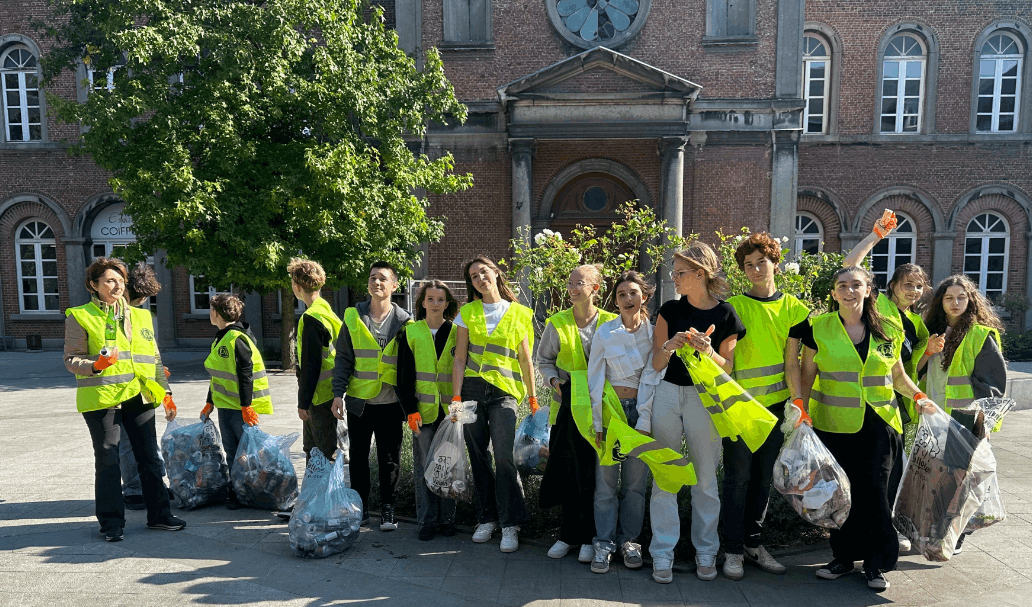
(344, 366)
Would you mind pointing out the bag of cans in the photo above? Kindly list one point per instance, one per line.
(530, 449)
(328, 512)
(196, 468)
(262, 473)
(447, 471)
(810, 477)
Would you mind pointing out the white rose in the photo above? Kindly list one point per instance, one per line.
(557, 235)
(792, 267)
(784, 239)
(547, 232)
(539, 239)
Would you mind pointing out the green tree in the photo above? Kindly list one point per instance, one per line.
(241, 133)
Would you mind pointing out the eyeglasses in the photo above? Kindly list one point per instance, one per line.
(580, 284)
(676, 276)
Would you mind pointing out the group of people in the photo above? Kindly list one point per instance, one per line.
(626, 396)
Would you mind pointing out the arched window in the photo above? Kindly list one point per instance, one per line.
(893, 251)
(22, 115)
(816, 75)
(999, 84)
(986, 246)
(37, 268)
(809, 234)
(903, 83)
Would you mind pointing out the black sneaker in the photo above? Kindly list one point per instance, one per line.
(134, 502)
(426, 533)
(876, 581)
(447, 529)
(387, 520)
(170, 524)
(835, 569)
(113, 534)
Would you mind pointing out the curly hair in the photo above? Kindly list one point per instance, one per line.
(979, 312)
(308, 274)
(647, 289)
(700, 256)
(500, 279)
(762, 242)
(870, 315)
(228, 306)
(432, 283)
(142, 282)
(101, 265)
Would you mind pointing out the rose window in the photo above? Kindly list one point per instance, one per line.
(590, 23)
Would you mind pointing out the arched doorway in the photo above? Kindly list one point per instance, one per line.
(590, 198)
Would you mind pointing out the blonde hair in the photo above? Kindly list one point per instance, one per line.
(308, 274)
(699, 256)
(593, 273)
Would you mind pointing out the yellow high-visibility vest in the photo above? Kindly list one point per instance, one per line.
(891, 311)
(571, 358)
(759, 358)
(959, 391)
(433, 374)
(225, 385)
(320, 310)
(495, 357)
(374, 366)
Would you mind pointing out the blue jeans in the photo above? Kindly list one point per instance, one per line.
(610, 510)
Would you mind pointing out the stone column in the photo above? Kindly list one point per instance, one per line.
(166, 321)
(522, 153)
(783, 182)
(942, 256)
(671, 197)
(75, 263)
(1028, 280)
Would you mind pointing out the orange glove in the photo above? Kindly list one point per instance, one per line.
(170, 407)
(250, 417)
(804, 417)
(167, 374)
(415, 420)
(103, 362)
(533, 404)
(886, 224)
(206, 411)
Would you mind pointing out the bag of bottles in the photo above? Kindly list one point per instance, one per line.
(196, 468)
(447, 471)
(262, 473)
(328, 512)
(530, 449)
(810, 478)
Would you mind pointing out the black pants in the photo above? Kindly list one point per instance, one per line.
(746, 491)
(570, 477)
(385, 421)
(105, 428)
(320, 431)
(868, 457)
(231, 429)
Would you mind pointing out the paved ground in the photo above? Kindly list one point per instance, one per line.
(51, 554)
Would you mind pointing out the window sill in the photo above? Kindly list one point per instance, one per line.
(197, 316)
(467, 46)
(743, 41)
(32, 145)
(33, 316)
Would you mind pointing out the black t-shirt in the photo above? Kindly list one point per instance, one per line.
(681, 315)
(909, 339)
(806, 335)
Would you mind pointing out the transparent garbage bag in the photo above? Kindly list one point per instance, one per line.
(343, 440)
(196, 467)
(328, 512)
(447, 471)
(530, 449)
(262, 474)
(992, 510)
(809, 477)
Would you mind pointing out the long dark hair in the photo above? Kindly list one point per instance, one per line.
(870, 316)
(433, 283)
(902, 273)
(979, 311)
(500, 279)
(647, 289)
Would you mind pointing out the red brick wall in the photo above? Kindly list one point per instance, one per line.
(919, 216)
(1016, 220)
(639, 155)
(9, 223)
(729, 188)
(825, 213)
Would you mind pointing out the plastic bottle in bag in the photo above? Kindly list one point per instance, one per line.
(262, 474)
(196, 468)
(327, 515)
(530, 448)
(810, 478)
(447, 472)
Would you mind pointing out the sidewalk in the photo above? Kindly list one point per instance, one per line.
(51, 554)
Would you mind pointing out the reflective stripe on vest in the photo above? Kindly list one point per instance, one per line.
(320, 310)
(225, 383)
(759, 357)
(960, 392)
(494, 357)
(845, 382)
(373, 367)
(433, 375)
(891, 311)
(571, 358)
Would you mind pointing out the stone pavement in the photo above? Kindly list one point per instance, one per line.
(51, 554)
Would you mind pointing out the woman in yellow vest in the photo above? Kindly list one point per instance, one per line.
(424, 388)
(494, 368)
(239, 387)
(766, 363)
(700, 319)
(569, 479)
(110, 348)
(853, 406)
(966, 363)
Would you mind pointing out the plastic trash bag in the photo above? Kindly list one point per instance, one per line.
(196, 468)
(262, 474)
(944, 484)
(447, 471)
(530, 449)
(343, 441)
(328, 512)
(810, 478)
(991, 511)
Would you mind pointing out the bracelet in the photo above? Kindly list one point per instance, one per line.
(665, 351)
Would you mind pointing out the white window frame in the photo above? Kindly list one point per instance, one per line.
(824, 97)
(998, 61)
(891, 241)
(37, 244)
(299, 308)
(110, 86)
(211, 292)
(983, 255)
(23, 98)
(800, 236)
(902, 62)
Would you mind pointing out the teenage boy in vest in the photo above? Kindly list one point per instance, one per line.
(365, 370)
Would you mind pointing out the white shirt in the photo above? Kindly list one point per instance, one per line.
(493, 314)
(619, 356)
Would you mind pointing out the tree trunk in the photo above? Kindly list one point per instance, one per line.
(288, 330)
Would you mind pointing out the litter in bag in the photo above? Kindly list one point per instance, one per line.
(328, 512)
(530, 449)
(991, 511)
(196, 468)
(810, 478)
(343, 441)
(262, 474)
(447, 471)
(944, 484)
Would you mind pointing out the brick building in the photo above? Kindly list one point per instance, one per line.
(804, 118)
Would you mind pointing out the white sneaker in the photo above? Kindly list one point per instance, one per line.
(762, 559)
(631, 555)
(600, 562)
(559, 550)
(904, 542)
(586, 554)
(510, 539)
(662, 570)
(483, 532)
(733, 566)
(706, 567)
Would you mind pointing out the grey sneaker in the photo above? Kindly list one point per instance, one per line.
(762, 559)
(631, 555)
(663, 570)
(600, 564)
(706, 567)
(733, 566)
(904, 542)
